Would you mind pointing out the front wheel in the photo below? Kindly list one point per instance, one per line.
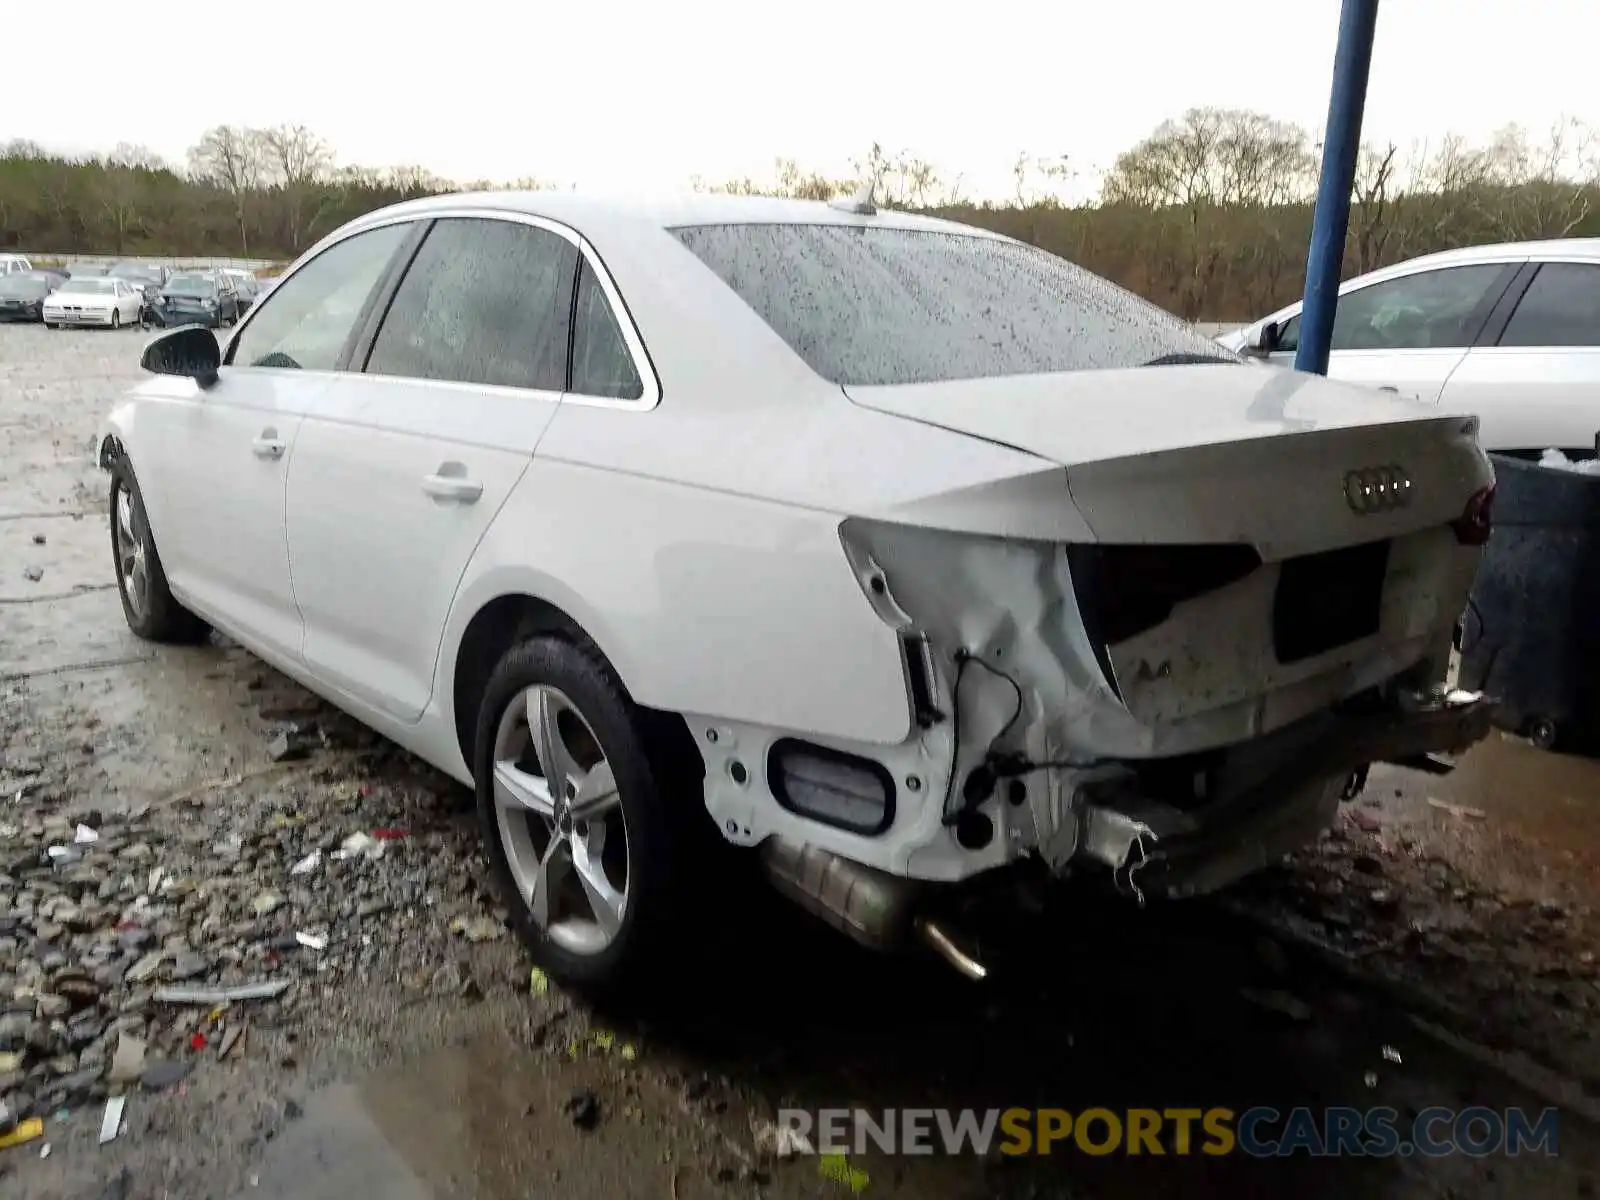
(151, 610)
(116, 318)
(576, 815)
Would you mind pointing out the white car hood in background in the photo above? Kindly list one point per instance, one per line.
(1217, 452)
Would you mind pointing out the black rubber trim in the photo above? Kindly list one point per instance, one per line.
(795, 745)
(358, 349)
(1511, 295)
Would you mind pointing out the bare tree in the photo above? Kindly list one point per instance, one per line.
(413, 180)
(297, 161)
(232, 160)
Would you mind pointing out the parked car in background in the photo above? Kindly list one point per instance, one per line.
(94, 301)
(246, 286)
(197, 298)
(22, 294)
(148, 277)
(86, 270)
(1509, 332)
(14, 264)
(910, 531)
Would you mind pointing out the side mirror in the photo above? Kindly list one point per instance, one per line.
(189, 350)
(1263, 339)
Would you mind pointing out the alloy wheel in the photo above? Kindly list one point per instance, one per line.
(133, 570)
(561, 821)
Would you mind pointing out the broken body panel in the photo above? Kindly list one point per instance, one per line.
(1180, 683)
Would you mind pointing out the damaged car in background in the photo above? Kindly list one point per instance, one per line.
(895, 552)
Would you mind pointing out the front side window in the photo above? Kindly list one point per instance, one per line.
(1560, 308)
(485, 301)
(601, 363)
(1440, 309)
(864, 305)
(304, 323)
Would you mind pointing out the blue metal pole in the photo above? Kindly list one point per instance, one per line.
(1352, 63)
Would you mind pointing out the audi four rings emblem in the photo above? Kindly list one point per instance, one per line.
(1377, 489)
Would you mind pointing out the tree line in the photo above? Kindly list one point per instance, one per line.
(1209, 215)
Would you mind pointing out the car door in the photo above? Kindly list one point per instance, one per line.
(1408, 333)
(212, 463)
(400, 469)
(1534, 379)
(122, 300)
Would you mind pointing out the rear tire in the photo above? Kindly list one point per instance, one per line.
(569, 916)
(151, 610)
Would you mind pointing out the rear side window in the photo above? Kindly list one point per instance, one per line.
(484, 301)
(601, 363)
(867, 306)
(1560, 308)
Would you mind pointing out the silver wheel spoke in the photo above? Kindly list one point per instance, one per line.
(561, 823)
(604, 900)
(553, 869)
(515, 789)
(125, 522)
(596, 794)
(544, 712)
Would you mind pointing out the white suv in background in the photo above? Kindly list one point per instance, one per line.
(1510, 332)
(14, 264)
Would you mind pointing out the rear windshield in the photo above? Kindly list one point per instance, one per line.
(23, 286)
(867, 306)
(190, 285)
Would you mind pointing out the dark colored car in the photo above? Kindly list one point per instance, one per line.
(196, 299)
(22, 295)
(247, 286)
(149, 277)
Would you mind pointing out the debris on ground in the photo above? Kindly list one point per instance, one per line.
(837, 1169)
(160, 1076)
(26, 1131)
(478, 929)
(111, 1120)
(1390, 1054)
(782, 1141)
(228, 995)
(583, 1106)
(1457, 810)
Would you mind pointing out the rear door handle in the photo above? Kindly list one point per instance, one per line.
(1388, 387)
(452, 486)
(268, 446)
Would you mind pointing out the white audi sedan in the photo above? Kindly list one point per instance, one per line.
(1509, 333)
(94, 300)
(894, 552)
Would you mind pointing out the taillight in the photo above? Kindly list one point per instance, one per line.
(1473, 525)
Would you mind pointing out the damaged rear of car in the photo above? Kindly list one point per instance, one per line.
(1168, 653)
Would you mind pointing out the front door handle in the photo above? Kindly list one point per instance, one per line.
(448, 483)
(269, 445)
(1388, 387)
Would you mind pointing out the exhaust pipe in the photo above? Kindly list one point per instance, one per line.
(874, 908)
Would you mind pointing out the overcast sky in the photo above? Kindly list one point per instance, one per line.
(635, 93)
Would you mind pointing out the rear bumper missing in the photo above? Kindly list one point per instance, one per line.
(1172, 853)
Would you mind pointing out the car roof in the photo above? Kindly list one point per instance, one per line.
(594, 215)
(1548, 249)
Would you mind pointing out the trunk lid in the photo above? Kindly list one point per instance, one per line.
(1219, 453)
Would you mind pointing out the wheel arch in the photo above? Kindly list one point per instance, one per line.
(515, 616)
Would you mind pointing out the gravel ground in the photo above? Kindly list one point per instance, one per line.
(411, 1053)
